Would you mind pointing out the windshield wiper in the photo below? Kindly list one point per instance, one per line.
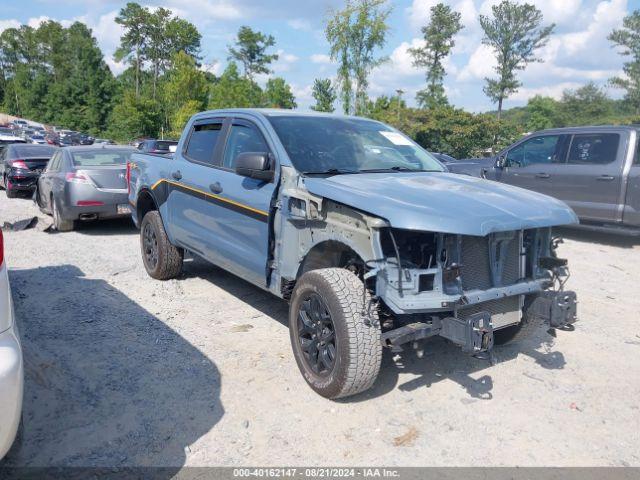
(396, 169)
(332, 171)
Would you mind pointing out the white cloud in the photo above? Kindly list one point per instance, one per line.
(300, 24)
(4, 24)
(37, 21)
(202, 12)
(553, 91)
(284, 62)
(320, 58)
(481, 64)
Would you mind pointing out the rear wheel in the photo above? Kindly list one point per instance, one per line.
(162, 260)
(58, 222)
(336, 346)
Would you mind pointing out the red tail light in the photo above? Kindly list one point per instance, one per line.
(1, 248)
(19, 164)
(77, 178)
(89, 203)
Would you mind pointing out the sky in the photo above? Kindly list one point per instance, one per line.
(577, 53)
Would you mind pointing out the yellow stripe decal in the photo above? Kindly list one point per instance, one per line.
(210, 195)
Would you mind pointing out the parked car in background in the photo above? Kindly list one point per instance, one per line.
(595, 170)
(18, 123)
(85, 183)
(21, 165)
(363, 232)
(37, 139)
(157, 146)
(85, 139)
(11, 363)
(52, 138)
(443, 157)
(103, 141)
(7, 136)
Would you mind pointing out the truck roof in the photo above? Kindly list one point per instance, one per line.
(266, 112)
(590, 128)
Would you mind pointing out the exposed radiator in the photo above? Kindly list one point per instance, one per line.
(505, 311)
(476, 262)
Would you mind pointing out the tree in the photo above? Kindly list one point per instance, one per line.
(133, 18)
(278, 94)
(587, 105)
(438, 36)
(354, 33)
(134, 117)
(251, 51)
(514, 32)
(234, 91)
(184, 92)
(324, 94)
(543, 112)
(628, 37)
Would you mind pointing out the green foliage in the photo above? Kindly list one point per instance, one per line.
(354, 33)
(438, 36)
(324, 94)
(514, 32)
(56, 75)
(542, 113)
(277, 94)
(184, 92)
(251, 51)
(234, 91)
(133, 117)
(587, 105)
(628, 37)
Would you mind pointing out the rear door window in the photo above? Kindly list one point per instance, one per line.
(593, 149)
(202, 142)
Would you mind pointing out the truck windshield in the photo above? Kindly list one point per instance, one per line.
(338, 145)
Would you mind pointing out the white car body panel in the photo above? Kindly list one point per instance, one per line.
(11, 368)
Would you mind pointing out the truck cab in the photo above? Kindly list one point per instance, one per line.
(363, 232)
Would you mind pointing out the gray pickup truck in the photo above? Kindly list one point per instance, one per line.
(595, 170)
(372, 243)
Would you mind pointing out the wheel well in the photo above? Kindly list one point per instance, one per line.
(331, 254)
(145, 204)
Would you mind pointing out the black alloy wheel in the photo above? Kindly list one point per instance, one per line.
(150, 245)
(316, 333)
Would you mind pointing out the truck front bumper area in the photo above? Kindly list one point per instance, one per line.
(475, 332)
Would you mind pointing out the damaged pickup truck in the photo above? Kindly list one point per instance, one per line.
(365, 235)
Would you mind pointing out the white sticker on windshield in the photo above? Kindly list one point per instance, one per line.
(395, 138)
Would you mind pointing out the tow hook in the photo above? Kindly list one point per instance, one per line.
(556, 309)
(474, 333)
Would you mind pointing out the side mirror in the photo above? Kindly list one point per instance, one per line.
(501, 162)
(254, 165)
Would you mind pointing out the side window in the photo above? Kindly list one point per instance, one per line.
(536, 150)
(593, 149)
(242, 139)
(52, 166)
(202, 142)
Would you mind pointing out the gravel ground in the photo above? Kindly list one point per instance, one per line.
(122, 370)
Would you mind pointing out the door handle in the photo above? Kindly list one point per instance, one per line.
(177, 175)
(543, 175)
(215, 187)
(606, 178)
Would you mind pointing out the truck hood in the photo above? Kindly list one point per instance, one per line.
(443, 202)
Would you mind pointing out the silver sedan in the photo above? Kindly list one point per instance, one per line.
(85, 183)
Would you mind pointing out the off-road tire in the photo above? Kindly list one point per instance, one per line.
(59, 223)
(169, 257)
(358, 347)
(522, 331)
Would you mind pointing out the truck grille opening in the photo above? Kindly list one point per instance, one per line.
(504, 311)
(476, 262)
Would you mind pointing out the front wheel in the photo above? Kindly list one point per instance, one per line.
(335, 332)
(528, 325)
(162, 260)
